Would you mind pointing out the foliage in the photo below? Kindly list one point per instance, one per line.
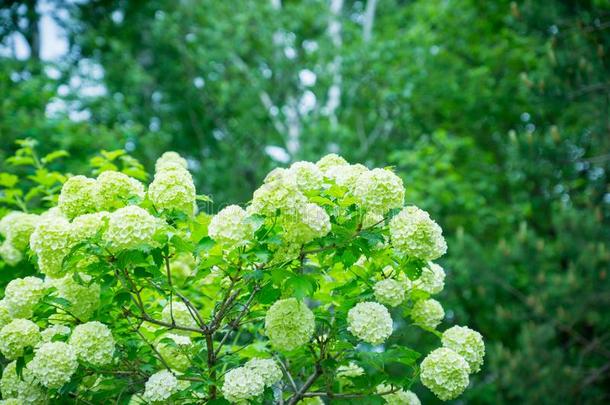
(274, 299)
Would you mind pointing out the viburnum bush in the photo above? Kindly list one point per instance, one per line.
(136, 295)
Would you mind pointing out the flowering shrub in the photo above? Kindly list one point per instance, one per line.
(120, 290)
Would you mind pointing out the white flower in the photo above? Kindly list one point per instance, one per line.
(160, 386)
(16, 336)
(231, 227)
(10, 254)
(170, 160)
(413, 233)
(174, 354)
(130, 227)
(16, 227)
(179, 313)
(268, 369)
(379, 190)
(428, 313)
(467, 343)
(349, 371)
(289, 324)
(25, 388)
(84, 298)
(93, 343)
(53, 364)
(445, 373)
(370, 321)
(330, 161)
(52, 331)
(279, 195)
(52, 241)
(78, 196)
(22, 294)
(431, 280)
(242, 384)
(173, 190)
(307, 176)
(311, 222)
(116, 190)
(398, 397)
(389, 292)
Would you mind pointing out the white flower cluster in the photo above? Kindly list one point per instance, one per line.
(431, 280)
(329, 161)
(370, 322)
(116, 190)
(397, 397)
(389, 292)
(25, 388)
(307, 176)
(16, 228)
(428, 313)
(78, 196)
(281, 194)
(172, 187)
(88, 225)
(84, 298)
(230, 227)
(160, 386)
(93, 343)
(5, 314)
(467, 343)
(18, 335)
(379, 190)
(174, 354)
(21, 296)
(415, 234)
(52, 241)
(242, 384)
(311, 222)
(53, 364)
(130, 227)
(289, 324)
(268, 369)
(344, 373)
(445, 373)
(179, 313)
(53, 331)
(346, 175)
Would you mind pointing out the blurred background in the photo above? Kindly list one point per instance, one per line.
(495, 113)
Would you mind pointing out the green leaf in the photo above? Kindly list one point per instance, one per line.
(54, 155)
(8, 180)
(268, 294)
(302, 285)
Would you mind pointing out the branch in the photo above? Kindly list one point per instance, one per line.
(235, 322)
(301, 392)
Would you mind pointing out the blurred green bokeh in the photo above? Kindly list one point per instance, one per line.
(495, 113)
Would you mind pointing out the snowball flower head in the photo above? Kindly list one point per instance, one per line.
(230, 227)
(116, 190)
(51, 241)
(281, 194)
(389, 292)
(160, 386)
(173, 190)
(10, 254)
(349, 371)
(370, 322)
(16, 336)
(25, 388)
(78, 196)
(415, 234)
(93, 343)
(311, 223)
(445, 373)
(5, 314)
(399, 397)
(84, 298)
(428, 313)
(170, 160)
(330, 160)
(379, 190)
(22, 294)
(53, 364)
(346, 175)
(53, 331)
(17, 227)
(175, 354)
(431, 280)
(242, 384)
(88, 225)
(180, 314)
(467, 343)
(267, 369)
(289, 324)
(130, 227)
(307, 176)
